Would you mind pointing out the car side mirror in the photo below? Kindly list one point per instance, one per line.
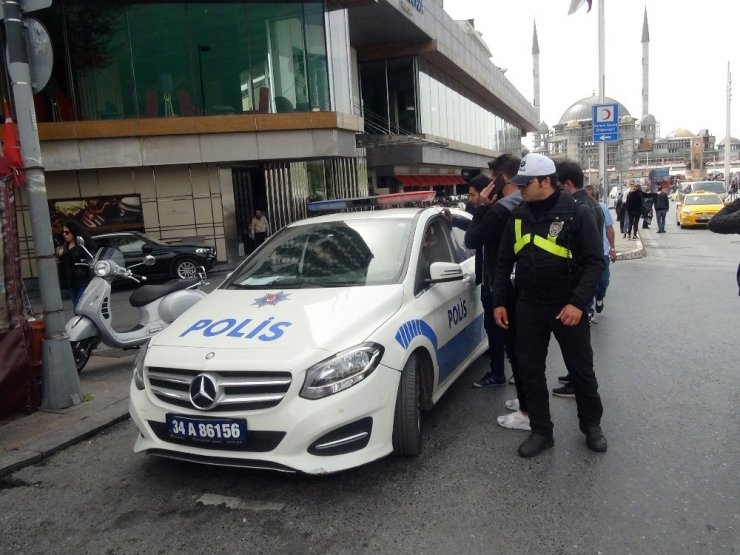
(147, 249)
(442, 272)
(80, 241)
(149, 260)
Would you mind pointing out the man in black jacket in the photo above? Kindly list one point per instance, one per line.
(497, 200)
(661, 208)
(726, 221)
(559, 260)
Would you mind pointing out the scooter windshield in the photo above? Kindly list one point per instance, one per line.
(111, 254)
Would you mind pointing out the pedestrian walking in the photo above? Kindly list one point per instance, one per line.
(621, 210)
(634, 210)
(74, 259)
(259, 228)
(727, 221)
(648, 200)
(662, 203)
(555, 245)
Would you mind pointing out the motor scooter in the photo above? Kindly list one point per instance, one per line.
(158, 305)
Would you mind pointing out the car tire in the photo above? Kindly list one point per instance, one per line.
(407, 417)
(185, 268)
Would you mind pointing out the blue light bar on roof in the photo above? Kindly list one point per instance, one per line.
(392, 199)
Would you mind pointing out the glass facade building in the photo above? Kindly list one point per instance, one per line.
(127, 59)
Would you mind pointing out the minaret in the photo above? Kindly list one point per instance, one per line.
(645, 64)
(536, 74)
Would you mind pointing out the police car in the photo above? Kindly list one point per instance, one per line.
(319, 352)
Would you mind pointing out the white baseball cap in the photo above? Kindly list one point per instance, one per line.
(533, 165)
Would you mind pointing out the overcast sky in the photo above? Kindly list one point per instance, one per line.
(690, 44)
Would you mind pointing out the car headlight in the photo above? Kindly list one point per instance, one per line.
(139, 366)
(203, 251)
(341, 371)
(686, 212)
(102, 268)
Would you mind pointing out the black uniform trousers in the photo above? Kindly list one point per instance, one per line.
(534, 324)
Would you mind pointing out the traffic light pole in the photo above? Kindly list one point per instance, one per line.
(61, 385)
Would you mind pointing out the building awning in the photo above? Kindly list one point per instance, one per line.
(430, 180)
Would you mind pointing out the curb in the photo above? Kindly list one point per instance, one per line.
(634, 254)
(11, 461)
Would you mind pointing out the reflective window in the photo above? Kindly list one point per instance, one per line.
(166, 59)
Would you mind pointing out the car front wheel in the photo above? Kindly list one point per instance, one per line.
(407, 418)
(185, 268)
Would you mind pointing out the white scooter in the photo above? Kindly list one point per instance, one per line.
(158, 305)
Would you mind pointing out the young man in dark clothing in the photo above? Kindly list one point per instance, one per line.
(634, 209)
(558, 254)
(497, 200)
(726, 221)
(661, 209)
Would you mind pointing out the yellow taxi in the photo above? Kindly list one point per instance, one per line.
(697, 208)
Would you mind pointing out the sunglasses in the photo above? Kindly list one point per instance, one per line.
(66, 232)
(527, 184)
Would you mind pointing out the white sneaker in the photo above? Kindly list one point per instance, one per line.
(515, 421)
(512, 404)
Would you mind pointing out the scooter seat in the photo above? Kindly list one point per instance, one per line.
(148, 293)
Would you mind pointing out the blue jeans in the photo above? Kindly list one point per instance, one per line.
(76, 293)
(495, 335)
(601, 286)
(660, 214)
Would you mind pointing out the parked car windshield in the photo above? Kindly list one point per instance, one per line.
(702, 199)
(329, 254)
(708, 186)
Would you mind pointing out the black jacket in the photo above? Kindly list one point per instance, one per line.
(543, 277)
(726, 221)
(661, 201)
(582, 197)
(634, 202)
(75, 276)
(485, 232)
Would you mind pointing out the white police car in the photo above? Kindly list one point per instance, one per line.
(321, 349)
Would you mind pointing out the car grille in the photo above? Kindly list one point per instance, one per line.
(237, 391)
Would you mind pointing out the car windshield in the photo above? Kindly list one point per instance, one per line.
(702, 199)
(329, 254)
(710, 187)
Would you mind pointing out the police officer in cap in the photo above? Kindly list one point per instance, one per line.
(558, 254)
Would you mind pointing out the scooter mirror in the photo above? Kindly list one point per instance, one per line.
(80, 241)
(149, 260)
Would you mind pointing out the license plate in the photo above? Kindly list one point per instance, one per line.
(211, 431)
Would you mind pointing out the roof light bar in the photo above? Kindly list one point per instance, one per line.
(391, 199)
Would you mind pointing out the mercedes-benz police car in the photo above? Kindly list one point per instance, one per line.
(320, 350)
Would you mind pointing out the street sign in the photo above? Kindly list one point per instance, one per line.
(29, 6)
(606, 123)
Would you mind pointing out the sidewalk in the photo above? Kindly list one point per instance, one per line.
(27, 439)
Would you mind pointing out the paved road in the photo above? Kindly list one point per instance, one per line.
(666, 358)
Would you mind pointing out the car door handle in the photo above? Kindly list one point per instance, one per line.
(469, 279)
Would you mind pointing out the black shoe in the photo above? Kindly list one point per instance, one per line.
(489, 381)
(595, 439)
(564, 379)
(565, 391)
(599, 305)
(534, 445)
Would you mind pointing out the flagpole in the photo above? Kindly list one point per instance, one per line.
(602, 83)
(727, 129)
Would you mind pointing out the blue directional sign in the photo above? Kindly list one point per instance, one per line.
(606, 123)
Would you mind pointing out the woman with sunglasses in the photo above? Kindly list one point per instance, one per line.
(70, 253)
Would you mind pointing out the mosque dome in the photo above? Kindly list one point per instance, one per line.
(680, 134)
(648, 120)
(543, 128)
(733, 141)
(583, 109)
(627, 120)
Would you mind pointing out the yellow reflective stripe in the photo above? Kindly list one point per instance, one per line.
(552, 247)
(549, 244)
(519, 241)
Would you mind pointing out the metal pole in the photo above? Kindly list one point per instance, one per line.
(61, 385)
(602, 82)
(727, 129)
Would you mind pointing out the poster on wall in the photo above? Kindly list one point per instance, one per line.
(98, 214)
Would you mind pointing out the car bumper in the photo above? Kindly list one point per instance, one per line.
(342, 431)
(694, 219)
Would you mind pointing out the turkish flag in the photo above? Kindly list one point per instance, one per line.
(11, 148)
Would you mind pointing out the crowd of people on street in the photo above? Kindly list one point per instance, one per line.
(543, 244)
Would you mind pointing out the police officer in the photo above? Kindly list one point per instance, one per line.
(558, 254)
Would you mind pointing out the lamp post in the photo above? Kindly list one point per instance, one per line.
(202, 48)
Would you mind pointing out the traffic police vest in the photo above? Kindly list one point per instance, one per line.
(549, 244)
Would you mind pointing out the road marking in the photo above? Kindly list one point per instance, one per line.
(236, 503)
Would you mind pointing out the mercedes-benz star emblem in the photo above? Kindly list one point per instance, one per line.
(203, 392)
